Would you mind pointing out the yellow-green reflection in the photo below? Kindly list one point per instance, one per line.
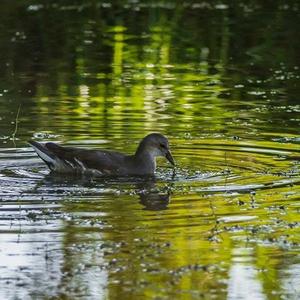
(104, 75)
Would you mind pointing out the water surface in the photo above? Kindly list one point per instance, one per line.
(221, 81)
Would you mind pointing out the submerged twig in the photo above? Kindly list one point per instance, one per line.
(174, 173)
(13, 136)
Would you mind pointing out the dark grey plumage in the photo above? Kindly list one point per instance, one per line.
(103, 162)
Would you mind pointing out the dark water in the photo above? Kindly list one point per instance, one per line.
(221, 80)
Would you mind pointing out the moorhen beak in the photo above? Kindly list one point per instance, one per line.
(170, 158)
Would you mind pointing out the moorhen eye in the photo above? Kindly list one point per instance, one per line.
(162, 146)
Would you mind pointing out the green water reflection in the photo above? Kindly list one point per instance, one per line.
(221, 80)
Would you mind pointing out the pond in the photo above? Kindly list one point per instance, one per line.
(220, 80)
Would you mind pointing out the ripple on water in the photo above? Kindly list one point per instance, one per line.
(229, 192)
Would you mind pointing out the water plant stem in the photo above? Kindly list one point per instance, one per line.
(16, 125)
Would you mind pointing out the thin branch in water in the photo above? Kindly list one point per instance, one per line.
(13, 136)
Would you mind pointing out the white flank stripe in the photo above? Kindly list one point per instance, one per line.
(80, 163)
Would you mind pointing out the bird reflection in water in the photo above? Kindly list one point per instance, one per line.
(151, 196)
